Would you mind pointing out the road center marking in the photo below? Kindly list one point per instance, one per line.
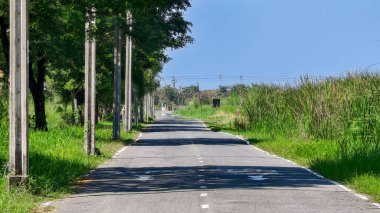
(145, 177)
(257, 178)
(205, 206)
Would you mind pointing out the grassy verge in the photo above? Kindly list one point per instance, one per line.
(57, 162)
(360, 171)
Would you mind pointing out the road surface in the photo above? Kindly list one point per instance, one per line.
(180, 166)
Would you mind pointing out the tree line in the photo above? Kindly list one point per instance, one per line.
(172, 97)
(57, 36)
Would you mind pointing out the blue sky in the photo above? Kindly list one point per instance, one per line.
(276, 41)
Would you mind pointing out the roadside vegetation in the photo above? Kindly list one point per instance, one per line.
(330, 125)
(57, 161)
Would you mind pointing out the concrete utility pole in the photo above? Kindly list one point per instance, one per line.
(148, 111)
(117, 82)
(152, 104)
(199, 96)
(174, 81)
(145, 111)
(146, 102)
(136, 106)
(90, 85)
(18, 93)
(128, 78)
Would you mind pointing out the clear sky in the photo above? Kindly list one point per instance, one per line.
(276, 41)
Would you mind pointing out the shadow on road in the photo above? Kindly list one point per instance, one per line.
(188, 141)
(153, 179)
(174, 128)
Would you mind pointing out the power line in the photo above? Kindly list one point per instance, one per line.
(239, 77)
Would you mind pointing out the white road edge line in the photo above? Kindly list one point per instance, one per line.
(361, 196)
(307, 169)
(126, 147)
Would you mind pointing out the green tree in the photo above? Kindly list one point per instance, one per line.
(57, 44)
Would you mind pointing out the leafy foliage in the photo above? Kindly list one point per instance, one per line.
(57, 43)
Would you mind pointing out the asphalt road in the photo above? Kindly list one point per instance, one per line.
(180, 166)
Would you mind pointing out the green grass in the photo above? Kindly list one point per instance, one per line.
(360, 171)
(57, 161)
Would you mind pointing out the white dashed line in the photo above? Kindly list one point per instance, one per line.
(145, 177)
(203, 194)
(201, 170)
(201, 180)
(205, 206)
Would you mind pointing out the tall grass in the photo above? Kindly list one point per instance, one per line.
(343, 109)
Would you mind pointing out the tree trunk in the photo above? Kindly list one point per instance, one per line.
(37, 90)
(5, 42)
(142, 109)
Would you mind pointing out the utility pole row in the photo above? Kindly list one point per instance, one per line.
(19, 88)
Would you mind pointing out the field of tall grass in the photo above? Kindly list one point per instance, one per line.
(345, 109)
(331, 125)
(57, 161)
